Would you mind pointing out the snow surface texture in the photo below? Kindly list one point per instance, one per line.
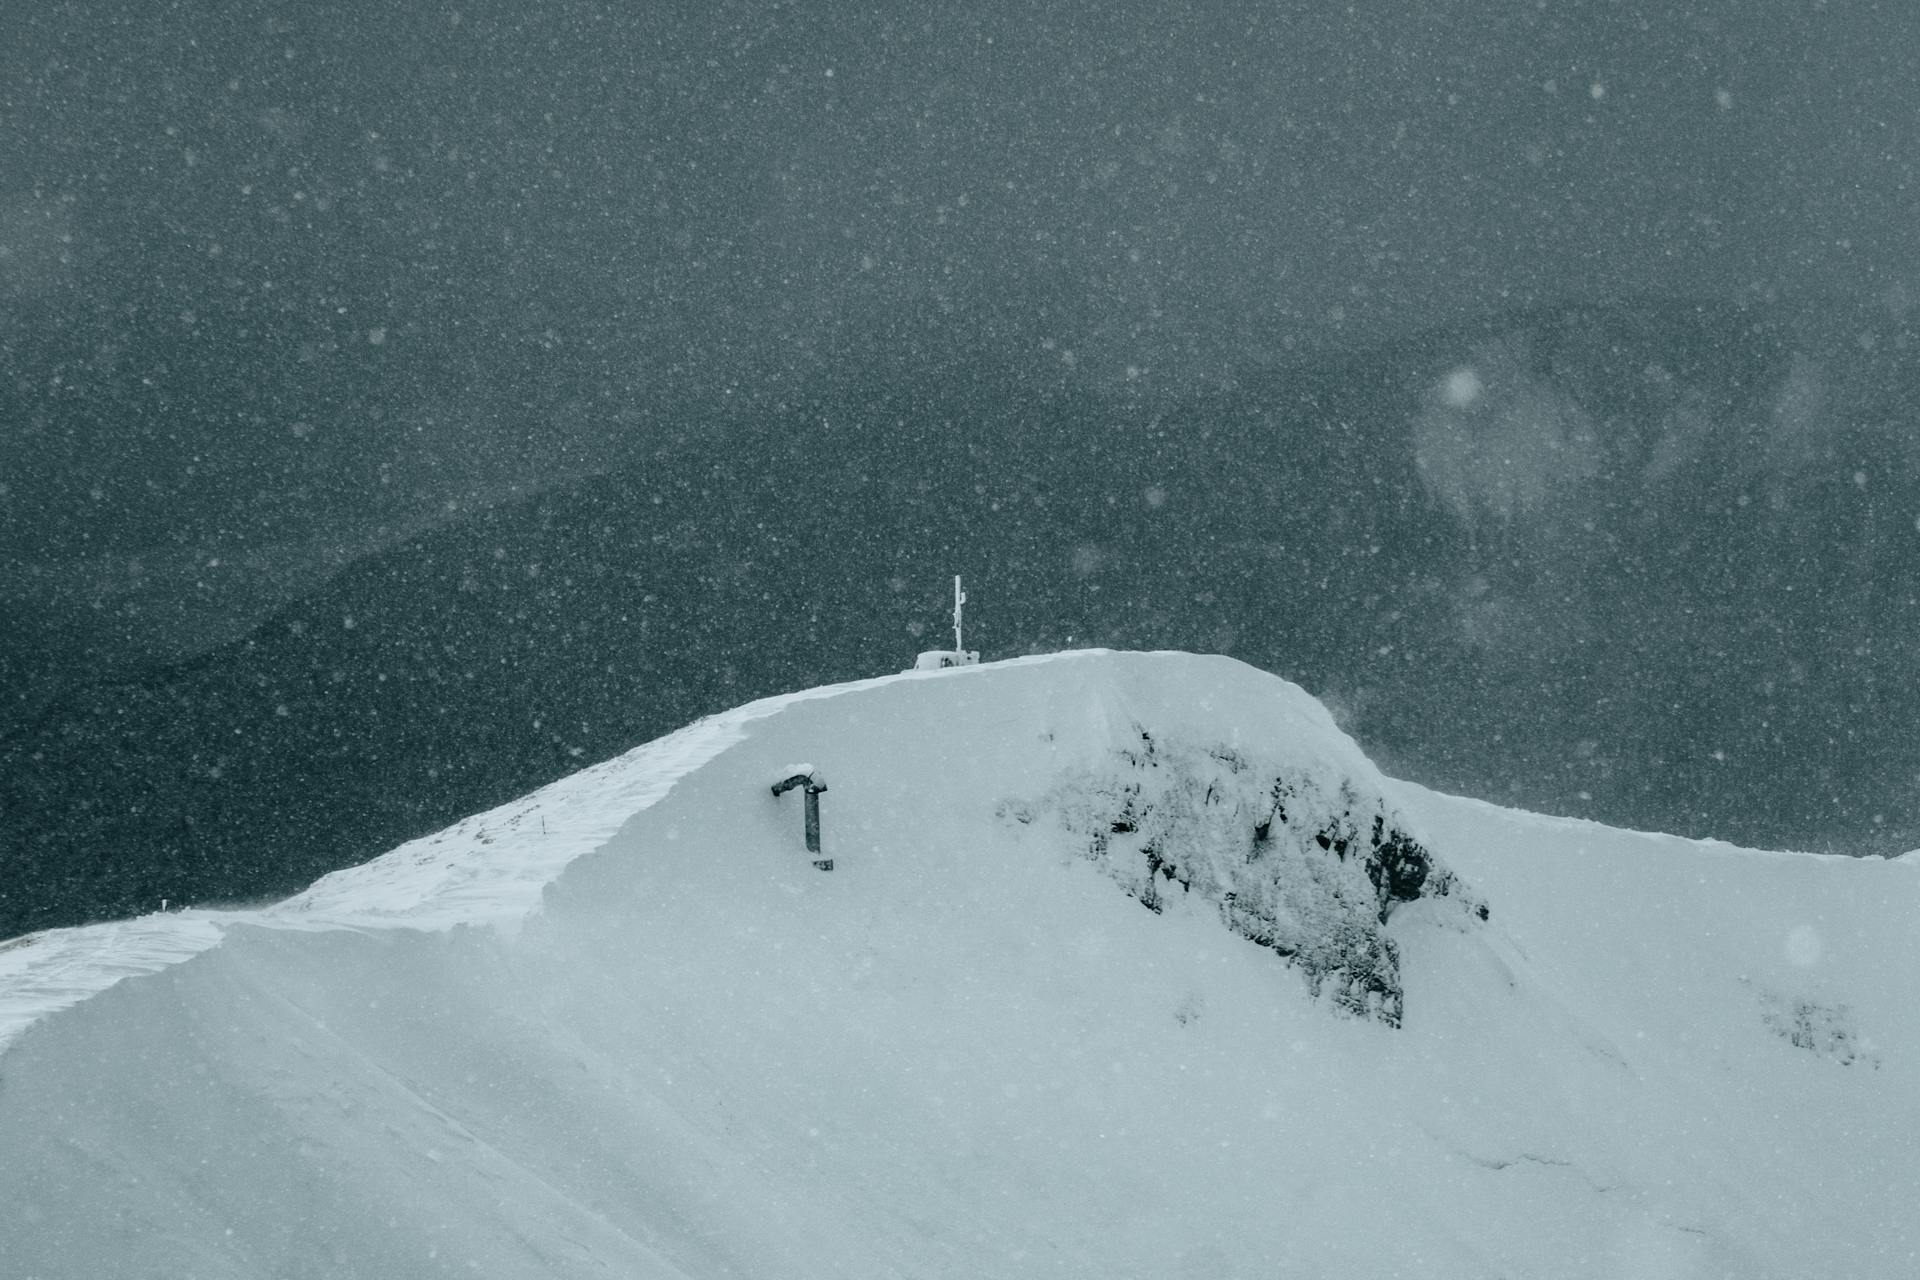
(965, 1051)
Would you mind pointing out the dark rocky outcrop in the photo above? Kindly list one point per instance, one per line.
(1290, 857)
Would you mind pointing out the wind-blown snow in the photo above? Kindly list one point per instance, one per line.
(487, 869)
(624, 1027)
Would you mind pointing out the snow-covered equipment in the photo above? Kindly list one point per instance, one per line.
(808, 778)
(958, 656)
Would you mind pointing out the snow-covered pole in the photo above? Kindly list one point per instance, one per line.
(959, 599)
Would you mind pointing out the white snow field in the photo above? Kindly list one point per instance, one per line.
(1083, 995)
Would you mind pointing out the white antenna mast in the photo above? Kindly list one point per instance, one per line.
(940, 659)
(959, 599)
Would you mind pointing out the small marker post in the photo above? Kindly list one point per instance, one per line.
(809, 780)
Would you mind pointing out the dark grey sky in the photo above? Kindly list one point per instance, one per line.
(283, 283)
(274, 275)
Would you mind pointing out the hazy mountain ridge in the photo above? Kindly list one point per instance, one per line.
(1636, 622)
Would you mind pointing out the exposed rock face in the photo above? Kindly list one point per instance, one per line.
(1827, 1029)
(1305, 865)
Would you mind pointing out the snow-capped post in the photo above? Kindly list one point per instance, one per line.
(808, 778)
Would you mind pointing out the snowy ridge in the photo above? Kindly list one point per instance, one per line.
(491, 868)
(1093, 990)
(41, 973)
(1551, 824)
(488, 869)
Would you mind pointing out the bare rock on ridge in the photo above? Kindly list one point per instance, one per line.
(1310, 870)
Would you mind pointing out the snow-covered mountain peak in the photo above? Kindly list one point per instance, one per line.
(1174, 775)
(1075, 999)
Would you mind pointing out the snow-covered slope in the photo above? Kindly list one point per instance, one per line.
(1128, 965)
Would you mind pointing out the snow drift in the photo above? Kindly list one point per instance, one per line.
(1128, 965)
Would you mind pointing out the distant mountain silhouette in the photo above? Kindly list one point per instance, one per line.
(1647, 563)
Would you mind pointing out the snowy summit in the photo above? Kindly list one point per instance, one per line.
(1127, 965)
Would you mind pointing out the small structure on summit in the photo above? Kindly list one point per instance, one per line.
(958, 656)
(808, 778)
